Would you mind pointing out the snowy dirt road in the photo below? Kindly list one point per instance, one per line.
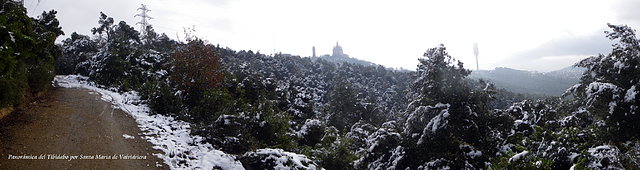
(72, 128)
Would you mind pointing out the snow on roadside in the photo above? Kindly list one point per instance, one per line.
(128, 136)
(173, 137)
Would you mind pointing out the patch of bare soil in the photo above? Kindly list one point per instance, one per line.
(73, 129)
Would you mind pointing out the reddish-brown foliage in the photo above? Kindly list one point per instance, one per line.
(196, 67)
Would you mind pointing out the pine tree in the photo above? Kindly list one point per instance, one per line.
(609, 86)
(105, 24)
(119, 58)
(442, 128)
(27, 52)
(76, 52)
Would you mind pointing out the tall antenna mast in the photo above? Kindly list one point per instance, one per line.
(144, 23)
(475, 51)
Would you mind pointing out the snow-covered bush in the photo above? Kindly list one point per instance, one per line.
(604, 157)
(379, 149)
(334, 151)
(276, 159)
(311, 132)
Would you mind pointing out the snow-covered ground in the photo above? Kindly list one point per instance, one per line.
(128, 136)
(181, 150)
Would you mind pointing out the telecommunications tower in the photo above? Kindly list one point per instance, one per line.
(475, 51)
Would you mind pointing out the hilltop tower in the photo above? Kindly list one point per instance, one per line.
(313, 49)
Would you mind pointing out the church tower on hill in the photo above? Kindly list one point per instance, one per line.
(337, 51)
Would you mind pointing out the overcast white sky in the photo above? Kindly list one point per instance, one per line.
(540, 35)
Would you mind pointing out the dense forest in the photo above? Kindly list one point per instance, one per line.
(553, 83)
(342, 115)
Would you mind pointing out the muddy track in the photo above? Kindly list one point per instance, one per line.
(73, 122)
